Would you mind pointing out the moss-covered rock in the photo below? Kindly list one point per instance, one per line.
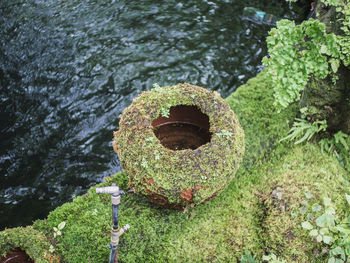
(322, 100)
(289, 189)
(29, 240)
(178, 177)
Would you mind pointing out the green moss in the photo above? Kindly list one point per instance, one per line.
(247, 216)
(222, 228)
(303, 172)
(262, 125)
(179, 177)
(322, 100)
(33, 242)
(260, 211)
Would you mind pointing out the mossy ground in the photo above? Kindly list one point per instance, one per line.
(260, 211)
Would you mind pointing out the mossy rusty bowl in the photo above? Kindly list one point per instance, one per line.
(25, 244)
(180, 145)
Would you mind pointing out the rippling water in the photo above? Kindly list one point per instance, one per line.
(68, 68)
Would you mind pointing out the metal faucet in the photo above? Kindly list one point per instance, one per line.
(116, 232)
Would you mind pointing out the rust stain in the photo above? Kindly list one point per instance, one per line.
(186, 194)
(157, 198)
(115, 148)
(151, 181)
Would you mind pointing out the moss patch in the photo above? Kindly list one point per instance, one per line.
(247, 216)
(262, 125)
(260, 211)
(291, 186)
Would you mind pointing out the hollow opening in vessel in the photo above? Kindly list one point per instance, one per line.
(16, 256)
(185, 128)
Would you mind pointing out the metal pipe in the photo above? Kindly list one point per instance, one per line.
(113, 256)
(108, 190)
(115, 193)
(115, 216)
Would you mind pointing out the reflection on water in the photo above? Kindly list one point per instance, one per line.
(69, 68)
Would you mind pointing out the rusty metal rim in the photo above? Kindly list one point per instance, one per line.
(16, 255)
(186, 127)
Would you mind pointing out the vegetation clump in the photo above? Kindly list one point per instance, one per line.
(314, 48)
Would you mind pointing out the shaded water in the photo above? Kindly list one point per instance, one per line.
(68, 68)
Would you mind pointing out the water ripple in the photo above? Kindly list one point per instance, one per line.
(69, 68)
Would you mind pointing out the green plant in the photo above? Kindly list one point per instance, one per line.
(156, 86)
(165, 111)
(248, 258)
(338, 145)
(51, 249)
(298, 51)
(331, 231)
(224, 133)
(304, 130)
(57, 230)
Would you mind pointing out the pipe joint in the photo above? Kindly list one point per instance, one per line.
(108, 190)
(115, 234)
(115, 199)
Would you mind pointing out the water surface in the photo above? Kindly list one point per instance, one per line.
(68, 68)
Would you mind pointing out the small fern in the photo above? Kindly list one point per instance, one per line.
(248, 258)
(338, 145)
(303, 130)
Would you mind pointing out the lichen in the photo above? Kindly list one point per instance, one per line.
(179, 178)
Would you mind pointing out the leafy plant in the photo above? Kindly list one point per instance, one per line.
(149, 139)
(249, 258)
(298, 51)
(57, 230)
(338, 145)
(224, 133)
(156, 87)
(144, 163)
(165, 111)
(304, 130)
(51, 249)
(332, 232)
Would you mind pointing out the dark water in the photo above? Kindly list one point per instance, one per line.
(68, 68)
